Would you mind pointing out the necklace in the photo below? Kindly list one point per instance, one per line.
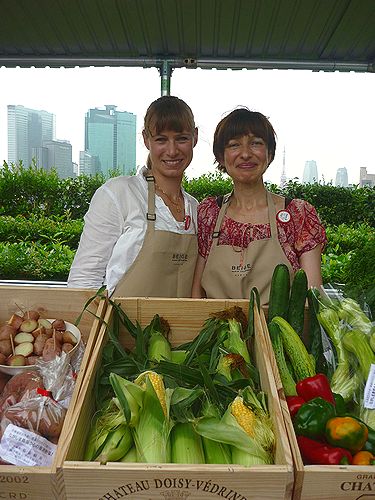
(176, 204)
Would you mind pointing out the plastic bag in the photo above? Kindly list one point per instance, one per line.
(350, 351)
(34, 406)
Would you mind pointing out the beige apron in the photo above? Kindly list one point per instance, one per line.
(230, 273)
(165, 264)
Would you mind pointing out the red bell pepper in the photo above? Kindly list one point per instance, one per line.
(315, 387)
(314, 452)
(294, 404)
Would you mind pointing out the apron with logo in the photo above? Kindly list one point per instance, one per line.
(230, 273)
(165, 264)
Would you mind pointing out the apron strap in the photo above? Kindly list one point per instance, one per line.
(219, 220)
(151, 215)
(272, 216)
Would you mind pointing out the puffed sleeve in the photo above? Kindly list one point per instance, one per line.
(308, 229)
(207, 215)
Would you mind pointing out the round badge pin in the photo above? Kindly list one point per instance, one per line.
(283, 216)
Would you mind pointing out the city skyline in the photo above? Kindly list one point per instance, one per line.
(320, 116)
(91, 162)
(93, 159)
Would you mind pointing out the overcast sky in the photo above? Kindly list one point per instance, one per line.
(326, 117)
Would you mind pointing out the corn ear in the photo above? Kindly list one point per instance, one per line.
(232, 366)
(215, 452)
(158, 348)
(186, 444)
(178, 356)
(240, 457)
(95, 442)
(227, 430)
(117, 444)
(129, 397)
(151, 434)
(131, 455)
(234, 342)
(106, 421)
(243, 415)
(158, 385)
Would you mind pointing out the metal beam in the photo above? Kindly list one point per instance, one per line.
(209, 63)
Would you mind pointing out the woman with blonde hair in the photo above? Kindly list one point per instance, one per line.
(139, 237)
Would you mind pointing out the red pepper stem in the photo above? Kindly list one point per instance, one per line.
(344, 461)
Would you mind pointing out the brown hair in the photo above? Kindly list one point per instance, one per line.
(168, 113)
(238, 123)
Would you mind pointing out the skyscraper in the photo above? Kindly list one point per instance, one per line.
(310, 172)
(27, 129)
(341, 177)
(55, 155)
(366, 179)
(88, 164)
(110, 135)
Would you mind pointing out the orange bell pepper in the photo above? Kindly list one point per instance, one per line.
(346, 432)
(363, 458)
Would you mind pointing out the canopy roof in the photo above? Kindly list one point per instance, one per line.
(312, 34)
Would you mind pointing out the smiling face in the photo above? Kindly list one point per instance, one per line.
(246, 158)
(243, 127)
(170, 152)
(170, 135)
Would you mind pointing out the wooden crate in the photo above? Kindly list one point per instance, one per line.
(321, 482)
(37, 483)
(91, 480)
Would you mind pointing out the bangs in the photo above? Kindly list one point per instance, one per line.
(243, 124)
(238, 123)
(171, 116)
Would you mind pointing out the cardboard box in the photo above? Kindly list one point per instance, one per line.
(322, 482)
(37, 483)
(93, 481)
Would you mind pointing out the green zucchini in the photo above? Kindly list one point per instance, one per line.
(295, 349)
(297, 301)
(286, 378)
(279, 292)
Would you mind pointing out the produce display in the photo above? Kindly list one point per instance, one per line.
(36, 383)
(328, 378)
(26, 336)
(195, 403)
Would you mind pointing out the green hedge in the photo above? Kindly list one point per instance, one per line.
(26, 191)
(42, 230)
(35, 261)
(335, 205)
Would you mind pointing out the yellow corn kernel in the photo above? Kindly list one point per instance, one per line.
(158, 385)
(244, 416)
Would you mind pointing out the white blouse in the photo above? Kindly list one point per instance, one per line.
(114, 230)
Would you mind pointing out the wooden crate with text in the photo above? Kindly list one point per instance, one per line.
(37, 483)
(92, 480)
(321, 482)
